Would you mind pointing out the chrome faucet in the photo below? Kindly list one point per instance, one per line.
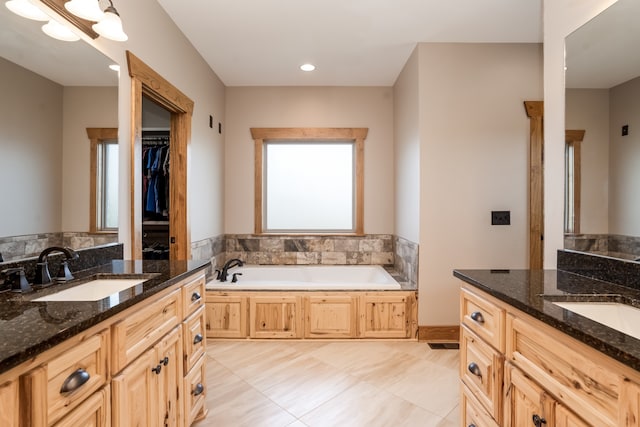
(224, 273)
(43, 277)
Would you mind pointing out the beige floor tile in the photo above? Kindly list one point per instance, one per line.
(430, 387)
(367, 406)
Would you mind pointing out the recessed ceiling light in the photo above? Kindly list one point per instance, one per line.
(307, 67)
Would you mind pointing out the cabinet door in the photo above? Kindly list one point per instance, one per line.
(526, 403)
(384, 316)
(331, 316)
(135, 393)
(226, 316)
(9, 409)
(169, 376)
(274, 317)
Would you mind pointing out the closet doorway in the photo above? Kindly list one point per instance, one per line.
(149, 85)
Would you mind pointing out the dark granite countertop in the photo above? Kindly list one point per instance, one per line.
(534, 292)
(28, 328)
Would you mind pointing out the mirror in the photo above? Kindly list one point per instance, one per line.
(603, 99)
(51, 92)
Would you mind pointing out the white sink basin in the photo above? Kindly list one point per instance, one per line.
(621, 317)
(94, 290)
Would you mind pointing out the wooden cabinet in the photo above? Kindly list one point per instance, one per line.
(128, 370)
(146, 392)
(63, 382)
(384, 316)
(310, 314)
(275, 317)
(547, 375)
(226, 316)
(331, 316)
(473, 413)
(9, 404)
(195, 392)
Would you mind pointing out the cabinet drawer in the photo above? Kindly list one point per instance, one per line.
(483, 317)
(578, 376)
(481, 370)
(141, 330)
(473, 413)
(94, 411)
(65, 381)
(193, 296)
(195, 391)
(194, 339)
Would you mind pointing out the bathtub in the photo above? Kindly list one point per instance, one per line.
(308, 277)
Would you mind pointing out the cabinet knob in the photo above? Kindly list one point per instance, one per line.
(197, 339)
(471, 425)
(538, 421)
(157, 369)
(75, 381)
(195, 296)
(164, 361)
(198, 390)
(477, 316)
(474, 369)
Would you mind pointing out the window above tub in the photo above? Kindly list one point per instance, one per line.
(309, 180)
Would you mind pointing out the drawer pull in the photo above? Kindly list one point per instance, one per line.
(157, 369)
(197, 339)
(198, 390)
(477, 316)
(538, 421)
(475, 369)
(471, 425)
(165, 361)
(75, 381)
(195, 296)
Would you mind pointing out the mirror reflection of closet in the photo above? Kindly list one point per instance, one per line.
(156, 124)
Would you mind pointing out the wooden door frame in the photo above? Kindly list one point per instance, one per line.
(575, 138)
(145, 81)
(535, 112)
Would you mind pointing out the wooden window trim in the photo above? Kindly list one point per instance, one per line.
(97, 136)
(575, 138)
(358, 135)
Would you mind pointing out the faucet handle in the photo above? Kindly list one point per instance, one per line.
(16, 278)
(64, 274)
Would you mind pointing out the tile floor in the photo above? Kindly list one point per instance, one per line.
(347, 383)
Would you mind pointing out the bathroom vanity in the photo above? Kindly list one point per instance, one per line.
(525, 360)
(133, 358)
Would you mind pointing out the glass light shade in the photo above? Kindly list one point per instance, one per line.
(307, 67)
(26, 9)
(110, 26)
(60, 32)
(85, 9)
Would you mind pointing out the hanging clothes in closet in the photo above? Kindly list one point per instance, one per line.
(155, 180)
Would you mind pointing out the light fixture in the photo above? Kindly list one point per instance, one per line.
(85, 9)
(58, 31)
(114, 67)
(110, 26)
(307, 67)
(26, 9)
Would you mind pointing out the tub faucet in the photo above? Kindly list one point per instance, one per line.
(43, 277)
(224, 273)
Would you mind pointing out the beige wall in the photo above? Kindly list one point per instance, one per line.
(588, 109)
(407, 150)
(83, 107)
(370, 107)
(30, 152)
(624, 203)
(155, 39)
(561, 17)
(474, 137)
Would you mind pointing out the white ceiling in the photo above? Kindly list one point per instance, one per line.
(352, 42)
